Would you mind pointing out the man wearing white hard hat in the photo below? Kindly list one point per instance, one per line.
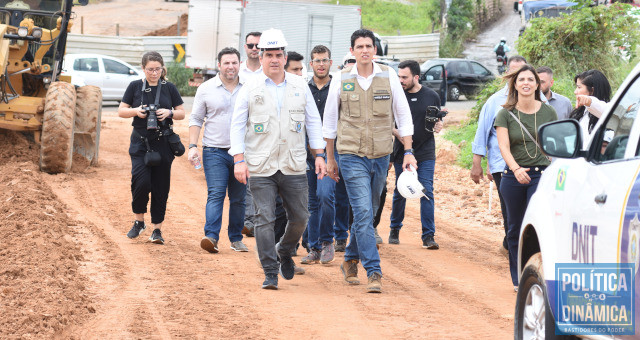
(273, 112)
(360, 111)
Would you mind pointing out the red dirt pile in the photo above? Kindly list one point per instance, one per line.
(41, 290)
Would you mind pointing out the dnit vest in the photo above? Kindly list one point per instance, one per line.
(365, 124)
(275, 142)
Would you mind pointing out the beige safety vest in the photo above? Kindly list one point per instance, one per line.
(365, 124)
(275, 143)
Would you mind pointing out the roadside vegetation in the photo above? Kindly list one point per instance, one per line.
(397, 18)
(603, 38)
(178, 74)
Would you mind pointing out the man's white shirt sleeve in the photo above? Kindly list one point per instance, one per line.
(239, 122)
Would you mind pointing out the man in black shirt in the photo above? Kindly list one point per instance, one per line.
(328, 202)
(419, 98)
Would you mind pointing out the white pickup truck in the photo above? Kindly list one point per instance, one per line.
(579, 250)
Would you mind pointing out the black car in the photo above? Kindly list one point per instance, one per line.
(463, 76)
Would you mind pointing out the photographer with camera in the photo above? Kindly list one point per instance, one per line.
(427, 119)
(154, 103)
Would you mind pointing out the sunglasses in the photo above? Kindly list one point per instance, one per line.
(251, 46)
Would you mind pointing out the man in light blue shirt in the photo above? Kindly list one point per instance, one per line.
(486, 141)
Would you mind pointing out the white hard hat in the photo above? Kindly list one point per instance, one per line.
(608, 136)
(348, 57)
(272, 38)
(409, 186)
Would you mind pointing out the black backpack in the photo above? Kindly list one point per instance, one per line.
(500, 50)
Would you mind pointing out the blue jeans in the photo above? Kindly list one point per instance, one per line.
(364, 179)
(342, 210)
(516, 197)
(425, 177)
(218, 170)
(321, 209)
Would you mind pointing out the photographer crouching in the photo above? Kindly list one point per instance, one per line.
(154, 103)
(427, 119)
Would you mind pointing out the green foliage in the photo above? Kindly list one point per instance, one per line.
(482, 97)
(392, 17)
(180, 75)
(588, 38)
(460, 15)
(463, 136)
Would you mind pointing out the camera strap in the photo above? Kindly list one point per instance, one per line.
(147, 90)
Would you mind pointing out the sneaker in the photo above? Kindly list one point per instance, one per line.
(327, 252)
(287, 267)
(394, 236)
(156, 237)
(429, 243)
(378, 238)
(374, 285)
(137, 229)
(270, 281)
(350, 271)
(311, 258)
(341, 246)
(298, 270)
(209, 244)
(515, 289)
(239, 246)
(248, 230)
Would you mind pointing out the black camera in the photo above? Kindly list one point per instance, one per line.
(152, 117)
(434, 114)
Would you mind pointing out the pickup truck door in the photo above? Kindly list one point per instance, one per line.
(598, 198)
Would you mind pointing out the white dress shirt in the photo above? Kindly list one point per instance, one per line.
(313, 123)
(213, 105)
(399, 104)
(245, 73)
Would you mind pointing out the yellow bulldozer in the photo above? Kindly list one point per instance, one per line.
(33, 95)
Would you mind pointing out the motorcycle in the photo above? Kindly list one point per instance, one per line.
(502, 63)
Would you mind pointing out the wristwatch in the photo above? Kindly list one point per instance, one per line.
(408, 152)
(193, 146)
(322, 154)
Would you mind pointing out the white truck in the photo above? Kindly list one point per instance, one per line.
(215, 24)
(579, 244)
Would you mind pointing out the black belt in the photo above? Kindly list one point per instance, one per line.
(215, 147)
(532, 168)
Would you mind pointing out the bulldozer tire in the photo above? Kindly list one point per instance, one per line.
(86, 138)
(56, 148)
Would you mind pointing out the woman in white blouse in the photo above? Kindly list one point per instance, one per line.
(593, 93)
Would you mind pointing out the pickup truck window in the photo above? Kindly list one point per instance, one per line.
(620, 123)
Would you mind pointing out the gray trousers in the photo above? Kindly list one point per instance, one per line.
(249, 210)
(294, 191)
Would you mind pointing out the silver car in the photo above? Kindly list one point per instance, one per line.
(110, 74)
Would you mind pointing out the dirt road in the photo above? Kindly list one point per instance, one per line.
(135, 289)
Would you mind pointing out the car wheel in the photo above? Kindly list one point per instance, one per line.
(534, 319)
(454, 92)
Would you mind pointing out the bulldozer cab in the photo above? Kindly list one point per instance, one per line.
(33, 95)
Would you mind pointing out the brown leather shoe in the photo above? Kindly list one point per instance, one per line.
(350, 271)
(375, 284)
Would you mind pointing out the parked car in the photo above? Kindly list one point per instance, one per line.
(110, 74)
(584, 216)
(393, 63)
(463, 76)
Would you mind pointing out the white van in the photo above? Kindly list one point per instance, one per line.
(584, 214)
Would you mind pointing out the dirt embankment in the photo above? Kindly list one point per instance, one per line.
(173, 29)
(41, 289)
